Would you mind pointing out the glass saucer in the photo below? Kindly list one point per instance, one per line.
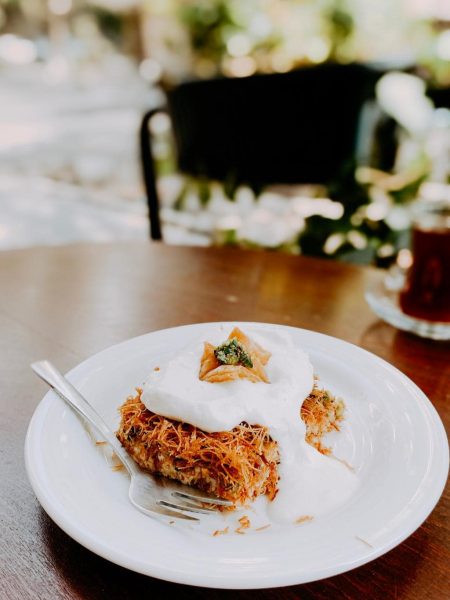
(383, 298)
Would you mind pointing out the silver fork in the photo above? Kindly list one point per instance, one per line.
(149, 495)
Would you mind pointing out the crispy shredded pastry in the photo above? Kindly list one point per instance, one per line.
(321, 412)
(212, 370)
(237, 465)
(303, 519)
(244, 523)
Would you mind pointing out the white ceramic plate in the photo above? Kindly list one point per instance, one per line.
(392, 436)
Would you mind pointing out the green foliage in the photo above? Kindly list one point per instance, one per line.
(206, 23)
(340, 27)
(110, 23)
(204, 191)
(373, 235)
(355, 237)
(409, 191)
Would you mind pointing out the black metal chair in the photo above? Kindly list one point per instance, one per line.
(297, 127)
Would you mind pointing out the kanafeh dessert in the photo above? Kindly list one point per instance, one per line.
(238, 417)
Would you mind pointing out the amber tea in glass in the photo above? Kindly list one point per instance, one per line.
(426, 294)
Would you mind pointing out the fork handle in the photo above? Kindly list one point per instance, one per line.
(65, 390)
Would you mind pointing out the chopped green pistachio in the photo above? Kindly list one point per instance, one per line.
(232, 352)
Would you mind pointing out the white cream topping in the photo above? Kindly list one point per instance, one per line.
(310, 483)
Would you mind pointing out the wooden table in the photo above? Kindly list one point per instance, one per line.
(68, 303)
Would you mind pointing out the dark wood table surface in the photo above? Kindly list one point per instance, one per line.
(67, 303)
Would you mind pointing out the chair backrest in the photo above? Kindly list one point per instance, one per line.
(297, 127)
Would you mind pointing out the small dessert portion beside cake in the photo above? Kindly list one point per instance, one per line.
(232, 416)
(321, 412)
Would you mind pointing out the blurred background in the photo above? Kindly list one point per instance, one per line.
(78, 76)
